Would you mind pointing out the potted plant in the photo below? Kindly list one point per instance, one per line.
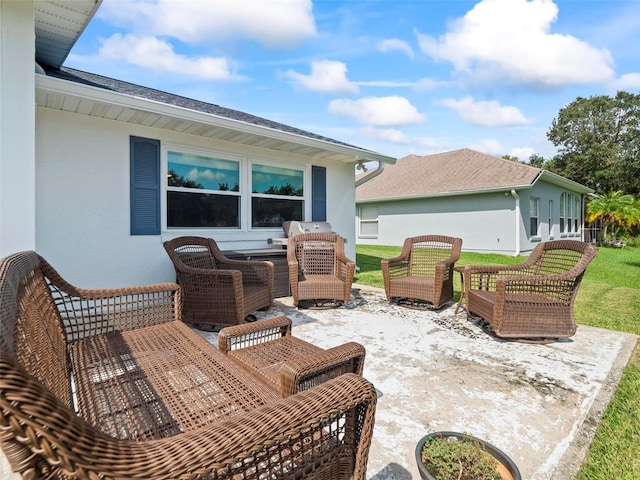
(458, 456)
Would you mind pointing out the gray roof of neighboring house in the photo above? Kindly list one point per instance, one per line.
(457, 172)
(139, 91)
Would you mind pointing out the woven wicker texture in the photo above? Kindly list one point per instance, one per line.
(152, 399)
(287, 363)
(535, 298)
(218, 290)
(318, 268)
(423, 271)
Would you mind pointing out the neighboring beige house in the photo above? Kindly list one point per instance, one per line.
(493, 204)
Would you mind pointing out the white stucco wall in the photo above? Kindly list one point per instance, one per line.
(486, 223)
(547, 192)
(82, 199)
(17, 106)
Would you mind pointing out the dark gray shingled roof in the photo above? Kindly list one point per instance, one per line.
(119, 86)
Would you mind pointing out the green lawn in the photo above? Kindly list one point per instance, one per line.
(609, 297)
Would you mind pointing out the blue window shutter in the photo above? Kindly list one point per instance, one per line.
(318, 194)
(145, 186)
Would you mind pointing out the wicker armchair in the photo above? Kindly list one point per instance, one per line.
(319, 269)
(423, 272)
(535, 298)
(218, 290)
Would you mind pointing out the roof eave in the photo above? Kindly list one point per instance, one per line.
(58, 24)
(64, 88)
(560, 181)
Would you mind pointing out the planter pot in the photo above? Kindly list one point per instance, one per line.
(507, 469)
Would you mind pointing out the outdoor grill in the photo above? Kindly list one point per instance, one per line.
(295, 227)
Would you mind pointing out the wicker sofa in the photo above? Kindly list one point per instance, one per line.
(112, 384)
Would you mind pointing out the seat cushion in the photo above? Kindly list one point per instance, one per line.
(267, 358)
(421, 288)
(157, 381)
(325, 287)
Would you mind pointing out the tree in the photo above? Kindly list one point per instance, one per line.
(615, 209)
(176, 180)
(537, 161)
(598, 140)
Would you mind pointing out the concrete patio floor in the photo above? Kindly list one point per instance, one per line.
(435, 370)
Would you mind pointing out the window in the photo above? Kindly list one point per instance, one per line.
(202, 192)
(562, 217)
(550, 219)
(172, 188)
(277, 195)
(569, 198)
(578, 214)
(534, 216)
(369, 221)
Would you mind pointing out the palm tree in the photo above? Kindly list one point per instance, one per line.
(615, 209)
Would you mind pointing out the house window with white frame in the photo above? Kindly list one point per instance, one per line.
(550, 225)
(569, 199)
(202, 191)
(369, 221)
(534, 216)
(578, 214)
(277, 195)
(562, 210)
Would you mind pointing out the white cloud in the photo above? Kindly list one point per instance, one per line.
(385, 84)
(628, 81)
(394, 44)
(158, 55)
(489, 146)
(378, 111)
(326, 76)
(510, 40)
(426, 84)
(283, 23)
(522, 153)
(392, 135)
(485, 114)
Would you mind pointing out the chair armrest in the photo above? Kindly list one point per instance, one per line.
(552, 287)
(444, 269)
(394, 267)
(302, 374)
(249, 334)
(254, 272)
(43, 437)
(346, 268)
(483, 277)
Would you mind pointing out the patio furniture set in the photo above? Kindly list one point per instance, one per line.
(113, 383)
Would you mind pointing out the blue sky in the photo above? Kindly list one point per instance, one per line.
(397, 77)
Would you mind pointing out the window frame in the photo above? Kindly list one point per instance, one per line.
(551, 225)
(569, 209)
(577, 221)
(369, 221)
(166, 188)
(245, 194)
(534, 204)
(304, 198)
(563, 218)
